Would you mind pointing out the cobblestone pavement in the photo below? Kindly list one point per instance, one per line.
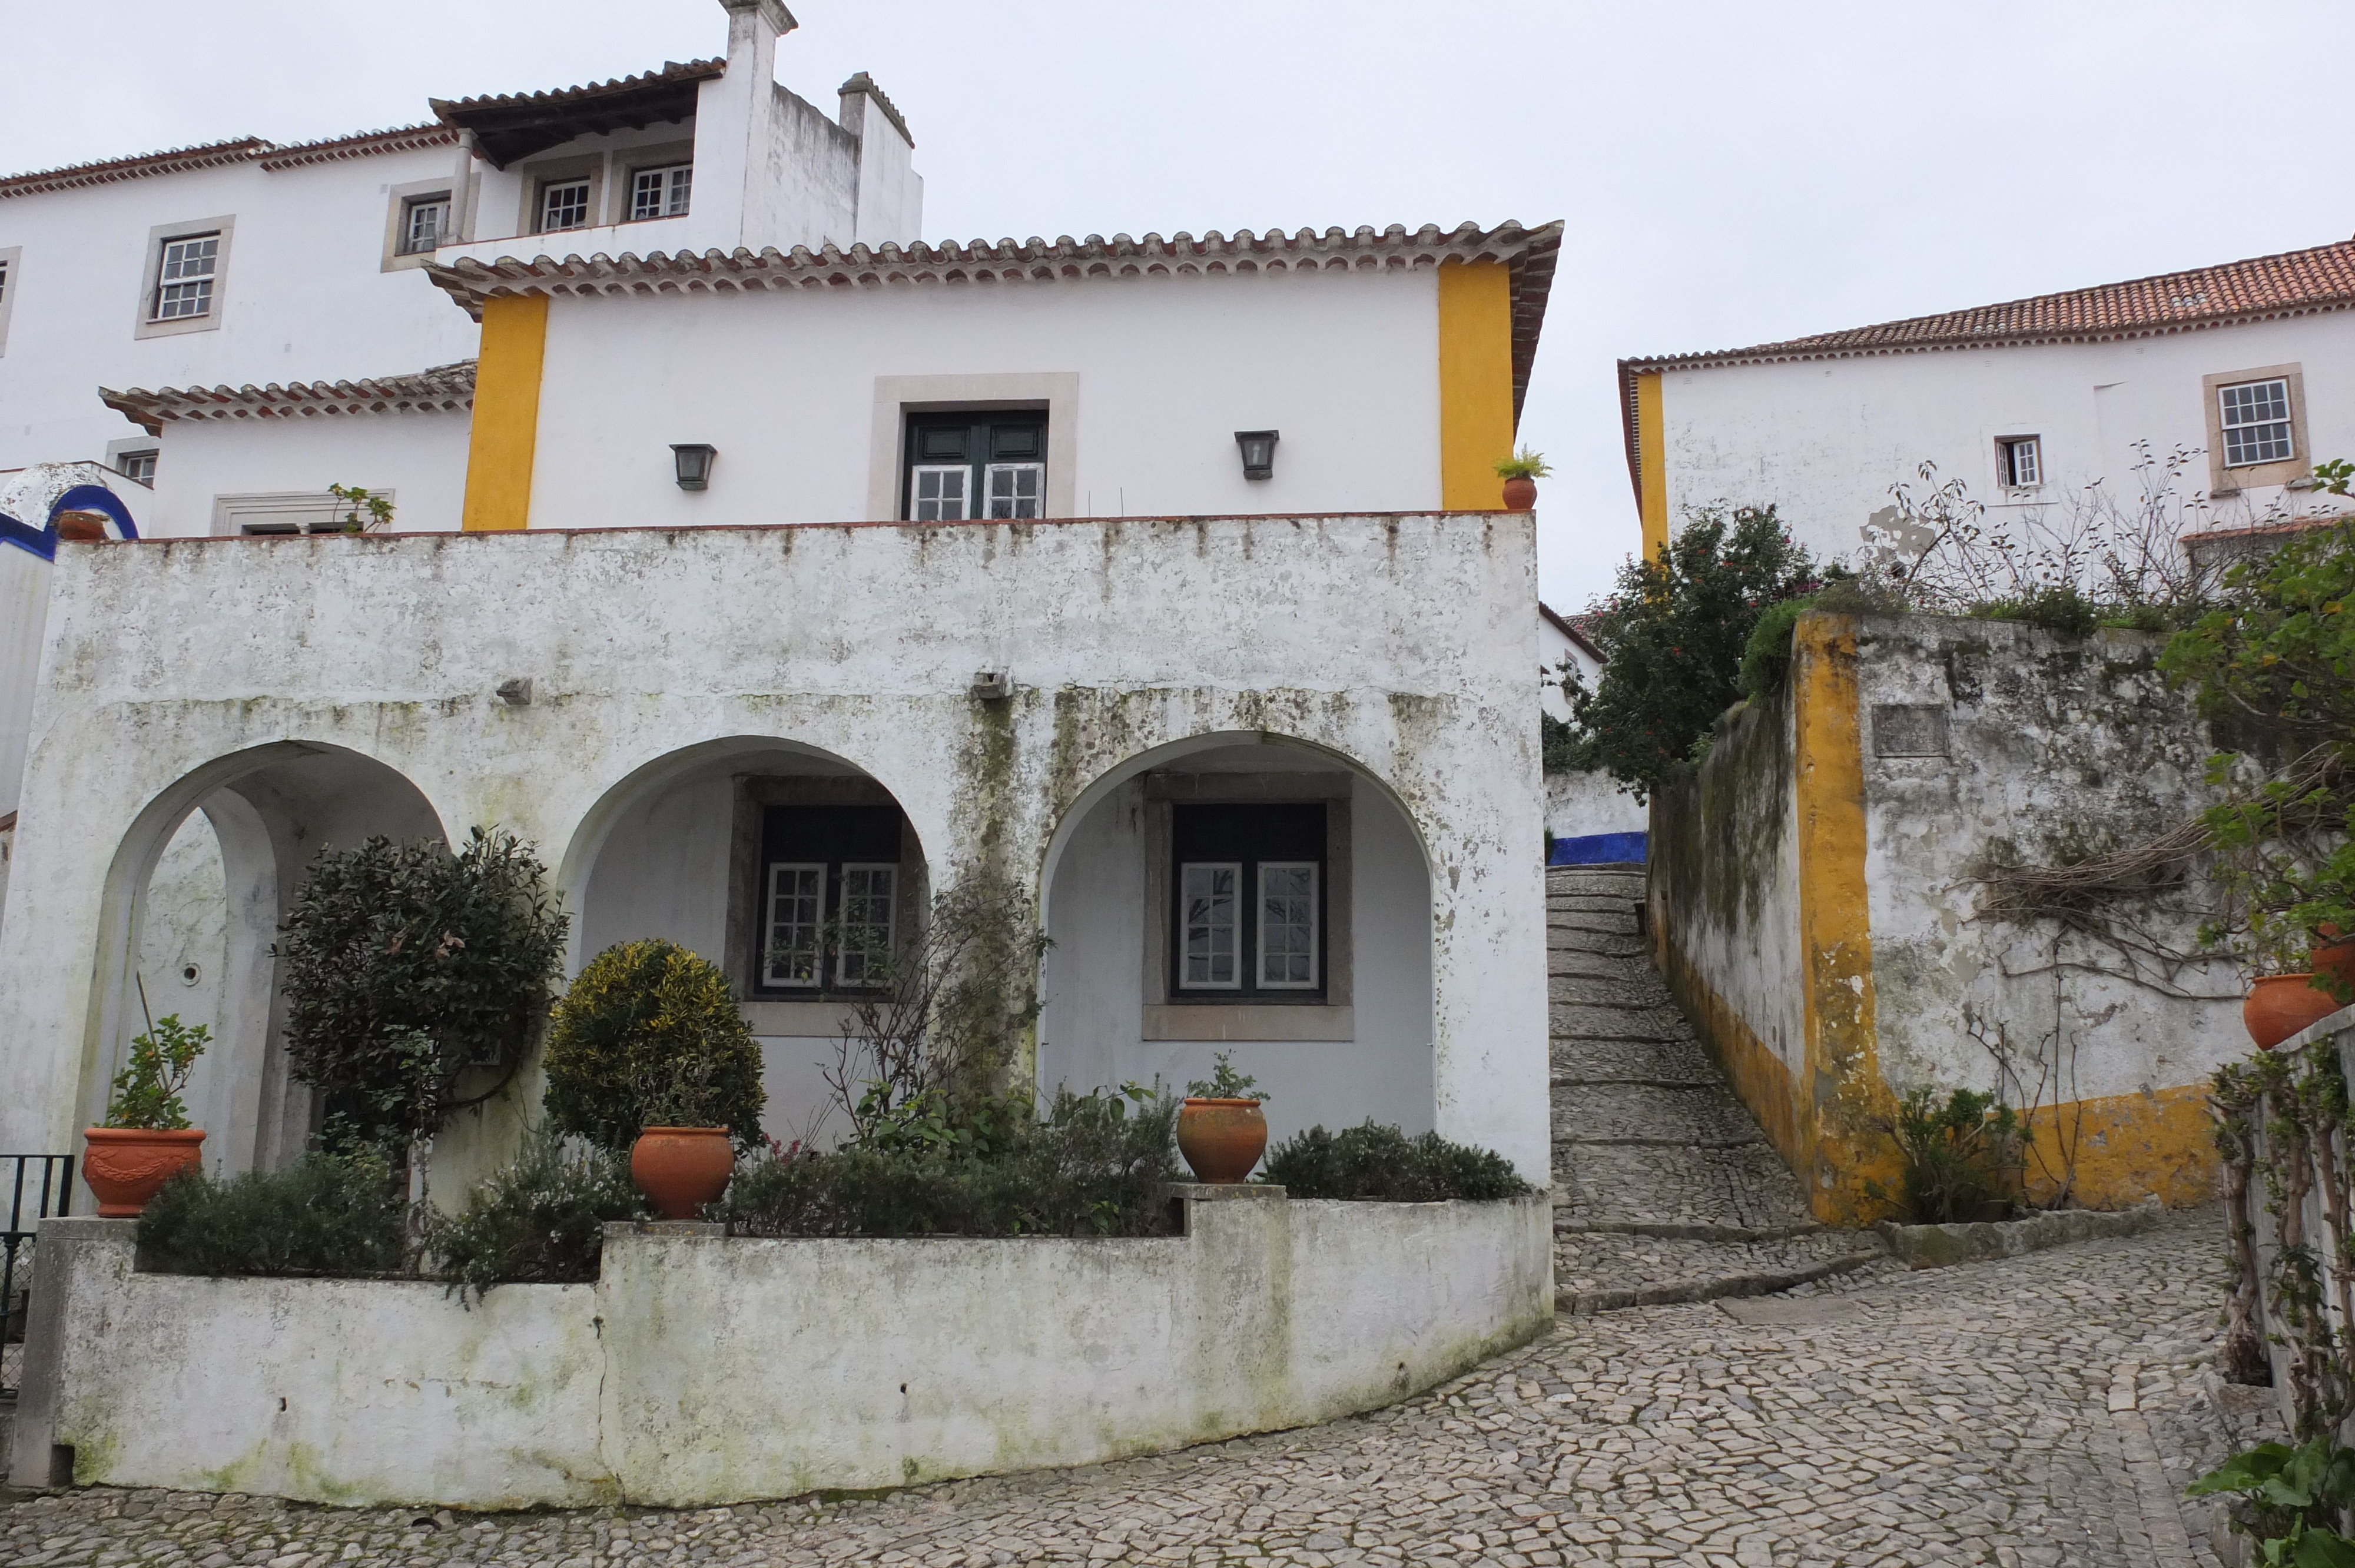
(2030, 1413)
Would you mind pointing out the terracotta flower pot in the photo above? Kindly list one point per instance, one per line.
(2278, 1006)
(1222, 1140)
(82, 527)
(125, 1166)
(2334, 955)
(681, 1169)
(1520, 494)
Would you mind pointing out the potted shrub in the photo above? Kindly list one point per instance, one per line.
(145, 1139)
(647, 1052)
(1221, 1129)
(1520, 473)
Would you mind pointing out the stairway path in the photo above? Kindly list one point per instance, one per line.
(1665, 1189)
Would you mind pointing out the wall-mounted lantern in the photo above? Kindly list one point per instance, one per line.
(693, 461)
(1259, 452)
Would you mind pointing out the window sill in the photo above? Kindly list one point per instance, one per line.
(1248, 1020)
(797, 1020)
(148, 327)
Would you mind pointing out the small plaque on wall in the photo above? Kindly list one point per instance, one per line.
(1906, 729)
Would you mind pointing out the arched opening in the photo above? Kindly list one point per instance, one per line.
(199, 888)
(756, 853)
(1251, 894)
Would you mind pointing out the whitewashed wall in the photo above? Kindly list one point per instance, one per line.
(420, 458)
(1584, 802)
(1825, 439)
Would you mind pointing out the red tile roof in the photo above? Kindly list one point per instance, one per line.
(172, 161)
(360, 144)
(445, 388)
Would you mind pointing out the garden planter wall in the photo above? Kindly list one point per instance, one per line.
(702, 1368)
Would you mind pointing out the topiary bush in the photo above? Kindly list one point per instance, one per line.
(1381, 1163)
(649, 1035)
(541, 1220)
(323, 1214)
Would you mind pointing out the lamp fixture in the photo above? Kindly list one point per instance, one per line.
(692, 460)
(1259, 452)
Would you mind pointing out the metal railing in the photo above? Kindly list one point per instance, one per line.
(32, 1188)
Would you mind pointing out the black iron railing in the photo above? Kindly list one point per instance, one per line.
(32, 1188)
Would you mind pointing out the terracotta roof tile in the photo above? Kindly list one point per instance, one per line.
(443, 388)
(454, 111)
(360, 144)
(209, 154)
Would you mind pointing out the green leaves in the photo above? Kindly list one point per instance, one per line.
(147, 1091)
(1225, 1083)
(650, 1035)
(1379, 1163)
(2296, 1496)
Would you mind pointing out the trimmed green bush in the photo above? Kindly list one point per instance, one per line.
(323, 1214)
(1766, 657)
(541, 1220)
(1381, 1164)
(650, 1035)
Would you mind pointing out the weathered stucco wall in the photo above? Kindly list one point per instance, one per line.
(1591, 802)
(1903, 757)
(705, 1369)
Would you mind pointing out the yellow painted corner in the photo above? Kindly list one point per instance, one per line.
(507, 413)
(2128, 1148)
(1475, 383)
(1652, 464)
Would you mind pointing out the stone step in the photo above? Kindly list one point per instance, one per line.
(1577, 963)
(1562, 904)
(1615, 1061)
(1635, 1116)
(1614, 989)
(1617, 922)
(1572, 1021)
(1609, 1284)
(1567, 1227)
(1605, 944)
(1747, 1185)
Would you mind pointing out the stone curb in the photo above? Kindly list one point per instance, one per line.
(1939, 1247)
(1666, 1230)
(1587, 1304)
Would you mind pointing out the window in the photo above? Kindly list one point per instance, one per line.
(2255, 416)
(139, 465)
(2020, 462)
(968, 465)
(184, 287)
(3, 283)
(564, 204)
(829, 891)
(1248, 919)
(660, 193)
(424, 223)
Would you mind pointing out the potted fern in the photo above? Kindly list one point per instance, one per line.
(145, 1139)
(1520, 473)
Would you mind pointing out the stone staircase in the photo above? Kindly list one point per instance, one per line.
(1665, 1189)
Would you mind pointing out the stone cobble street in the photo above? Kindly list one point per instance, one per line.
(2038, 1411)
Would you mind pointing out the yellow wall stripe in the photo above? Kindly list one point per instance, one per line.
(507, 413)
(1475, 383)
(1652, 463)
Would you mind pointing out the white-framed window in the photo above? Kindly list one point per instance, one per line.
(661, 193)
(139, 465)
(184, 280)
(1015, 489)
(3, 283)
(2020, 462)
(1210, 938)
(794, 913)
(1287, 925)
(424, 223)
(563, 204)
(936, 493)
(2256, 419)
(867, 923)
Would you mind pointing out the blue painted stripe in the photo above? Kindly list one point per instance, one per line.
(95, 498)
(41, 542)
(1598, 849)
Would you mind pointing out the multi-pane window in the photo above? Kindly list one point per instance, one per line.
(564, 204)
(3, 283)
(829, 891)
(138, 465)
(183, 281)
(2021, 461)
(424, 224)
(2256, 422)
(1249, 913)
(981, 464)
(661, 193)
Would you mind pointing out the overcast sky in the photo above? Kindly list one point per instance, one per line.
(1731, 172)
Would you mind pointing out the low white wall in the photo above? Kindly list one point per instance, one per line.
(702, 1368)
(419, 458)
(1577, 804)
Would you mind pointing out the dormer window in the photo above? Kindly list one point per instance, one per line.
(563, 204)
(660, 193)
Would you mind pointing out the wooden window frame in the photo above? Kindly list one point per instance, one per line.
(2223, 480)
(224, 229)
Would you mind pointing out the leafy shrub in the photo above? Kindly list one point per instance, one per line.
(1962, 1159)
(2291, 1500)
(147, 1091)
(406, 964)
(1096, 1165)
(651, 1035)
(1381, 1164)
(324, 1214)
(2054, 607)
(1225, 1083)
(1766, 657)
(539, 1219)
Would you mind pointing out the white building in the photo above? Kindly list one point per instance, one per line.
(2249, 366)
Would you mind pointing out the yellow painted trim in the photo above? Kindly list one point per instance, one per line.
(2128, 1147)
(507, 413)
(1475, 383)
(1846, 1098)
(1652, 463)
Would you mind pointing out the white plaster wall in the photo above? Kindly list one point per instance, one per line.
(1401, 645)
(1825, 439)
(1586, 802)
(891, 192)
(24, 611)
(184, 924)
(1344, 364)
(1091, 1032)
(420, 458)
(1554, 648)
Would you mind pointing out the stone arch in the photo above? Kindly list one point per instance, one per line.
(242, 827)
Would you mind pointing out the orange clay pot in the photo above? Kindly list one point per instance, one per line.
(82, 527)
(681, 1169)
(125, 1166)
(2334, 955)
(1520, 494)
(1222, 1140)
(2280, 1005)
